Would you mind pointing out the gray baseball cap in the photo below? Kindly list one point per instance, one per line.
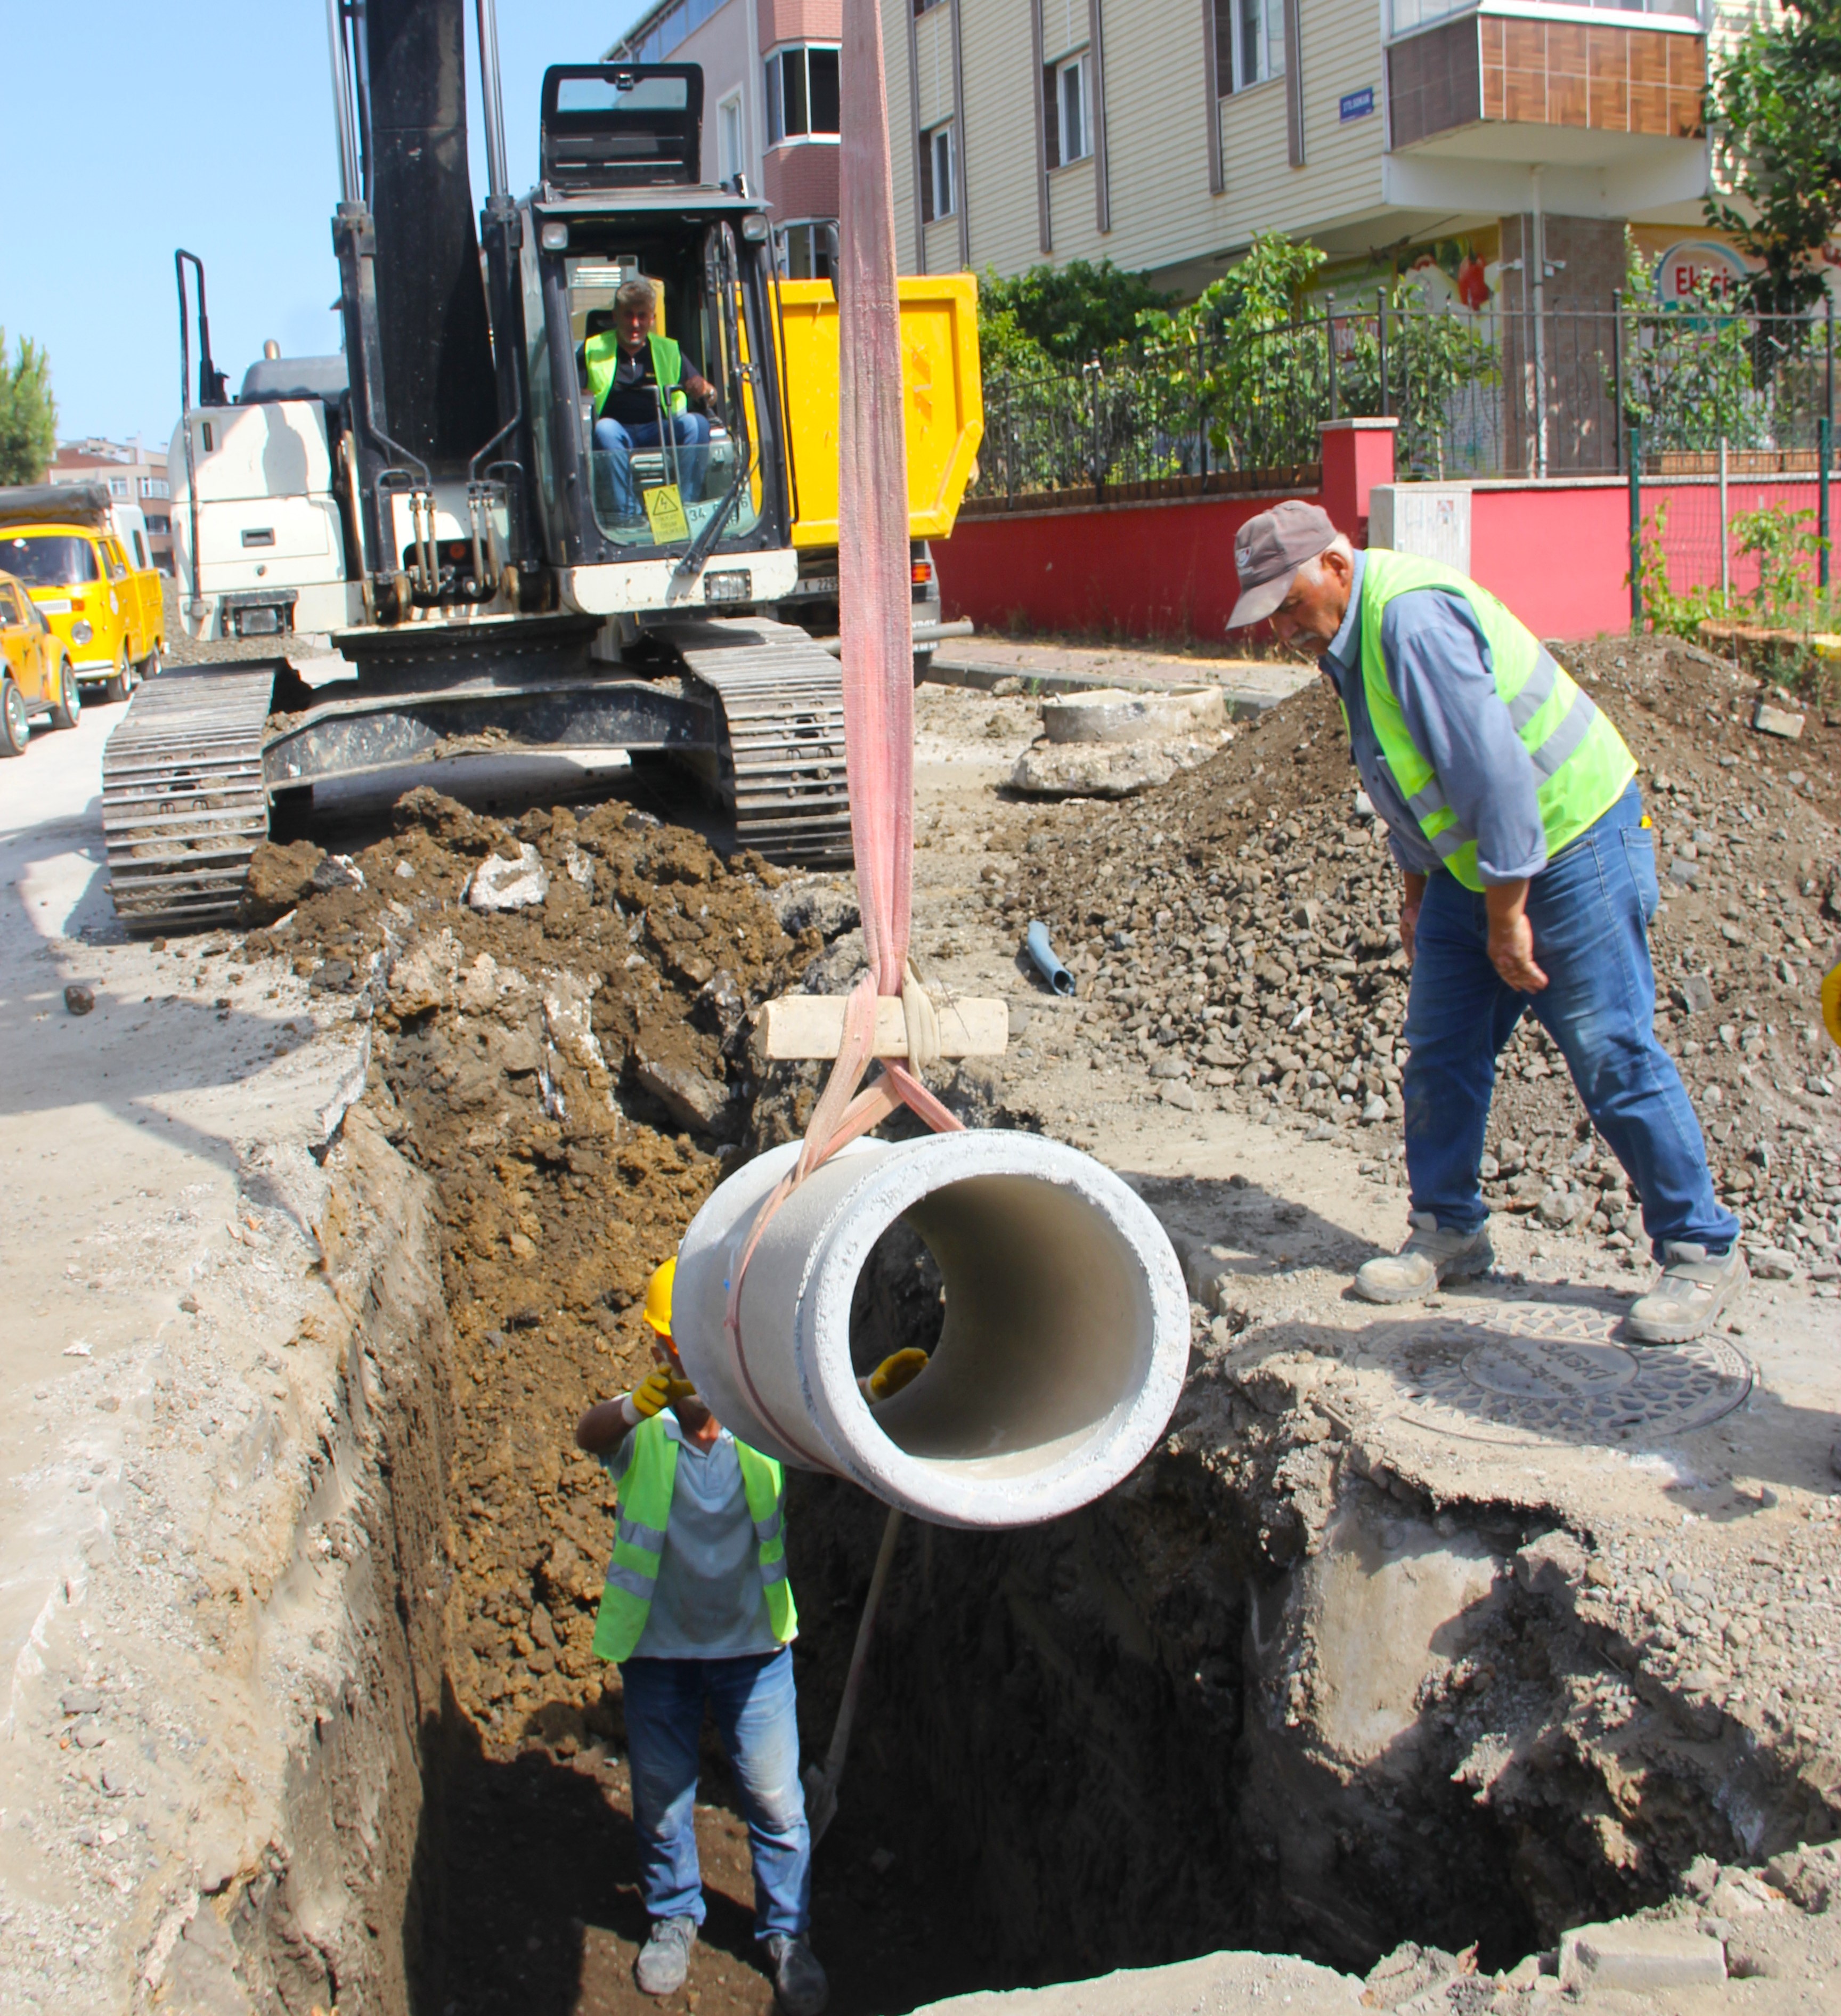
(1269, 550)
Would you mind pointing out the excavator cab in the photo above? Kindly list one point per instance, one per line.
(621, 201)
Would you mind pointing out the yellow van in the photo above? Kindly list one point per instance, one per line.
(63, 542)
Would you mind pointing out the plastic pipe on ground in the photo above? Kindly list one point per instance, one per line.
(1066, 1338)
(1046, 960)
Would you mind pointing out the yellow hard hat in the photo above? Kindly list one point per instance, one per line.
(657, 1312)
(1831, 999)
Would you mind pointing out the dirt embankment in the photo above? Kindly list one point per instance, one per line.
(543, 1064)
(1240, 927)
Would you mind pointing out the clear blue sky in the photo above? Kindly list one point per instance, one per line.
(140, 127)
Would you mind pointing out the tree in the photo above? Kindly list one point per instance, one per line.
(1055, 318)
(28, 413)
(1776, 107)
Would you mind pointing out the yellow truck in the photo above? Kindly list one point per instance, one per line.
(91, 579)
(943, 406)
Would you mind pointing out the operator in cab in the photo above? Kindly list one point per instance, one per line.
(642, 383)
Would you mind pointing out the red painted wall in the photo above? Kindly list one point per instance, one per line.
(1558, 554)
(1556, 557)
(1149, 571)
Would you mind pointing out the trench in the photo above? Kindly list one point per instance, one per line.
(1081, 1749)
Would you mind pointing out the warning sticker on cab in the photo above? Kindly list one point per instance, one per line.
(664, 508)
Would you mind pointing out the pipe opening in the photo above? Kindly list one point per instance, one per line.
(1061, 1321)
(1043, 1338)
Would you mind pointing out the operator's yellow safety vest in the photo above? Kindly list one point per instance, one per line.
(640, 1518)
(1580, 759)
(601, 355)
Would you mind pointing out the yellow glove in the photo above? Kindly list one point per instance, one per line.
(894, 1372)
(655, 1393)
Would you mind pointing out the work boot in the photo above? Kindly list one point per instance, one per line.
(1692, 1291)
(800, 1986)
(664, 1960)
(1428, 1260)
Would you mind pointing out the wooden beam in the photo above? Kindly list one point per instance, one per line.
(811, 1026)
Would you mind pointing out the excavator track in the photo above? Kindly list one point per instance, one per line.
(184, 807)
(781, 775)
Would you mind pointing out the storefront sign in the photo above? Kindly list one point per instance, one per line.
(1698, 267)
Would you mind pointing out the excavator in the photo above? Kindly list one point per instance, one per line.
(433, 499)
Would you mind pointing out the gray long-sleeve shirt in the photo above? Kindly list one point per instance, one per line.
(1439, 667)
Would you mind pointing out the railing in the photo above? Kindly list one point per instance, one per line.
(1499, 393)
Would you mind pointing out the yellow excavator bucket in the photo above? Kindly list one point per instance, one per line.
(942, 397)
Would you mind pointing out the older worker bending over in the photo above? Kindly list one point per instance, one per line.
(1528, 878)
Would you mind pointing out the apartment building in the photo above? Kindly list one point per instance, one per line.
(132, 474)
(1166, 134)
(769, 104)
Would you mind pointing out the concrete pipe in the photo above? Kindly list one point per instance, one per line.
(1065, 1336)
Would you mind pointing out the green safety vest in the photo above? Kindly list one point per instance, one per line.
(601, 355)
(641, 1516)
(1580, 759)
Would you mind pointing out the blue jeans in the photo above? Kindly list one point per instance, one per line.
(691, 433)
(753, 1703)
(1590, 908)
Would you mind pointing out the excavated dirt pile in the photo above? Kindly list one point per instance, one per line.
(1240, 927)
(545, 1062)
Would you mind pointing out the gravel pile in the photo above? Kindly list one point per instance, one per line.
(1240, 928)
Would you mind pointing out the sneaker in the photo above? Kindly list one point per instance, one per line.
(664, 1960)
(1692, 1291)
(800, 1986)
(1429, 1258)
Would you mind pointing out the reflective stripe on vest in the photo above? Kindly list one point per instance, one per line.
(641, 1518)
(1581, 765)
(601, 355)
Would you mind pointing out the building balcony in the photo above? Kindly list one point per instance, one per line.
(1519, 80)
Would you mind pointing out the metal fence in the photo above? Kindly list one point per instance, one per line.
(1501, 393)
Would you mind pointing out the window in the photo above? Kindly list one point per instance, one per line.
(801, 95)
(728, 137)
(805, 249)
(1067, 126)
(118, 486)
(1249, 43)
(154, 486)
(926, 6)
(141, 559)
(49, 560)
(938, 180)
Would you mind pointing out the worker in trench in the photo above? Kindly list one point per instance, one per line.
(1528, 882)
(698, 1611)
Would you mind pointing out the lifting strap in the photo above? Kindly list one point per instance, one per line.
(877, 650)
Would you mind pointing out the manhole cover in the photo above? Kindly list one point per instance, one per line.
(1527, 1371)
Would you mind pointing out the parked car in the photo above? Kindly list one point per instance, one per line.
(38, 677)
(65, 542)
